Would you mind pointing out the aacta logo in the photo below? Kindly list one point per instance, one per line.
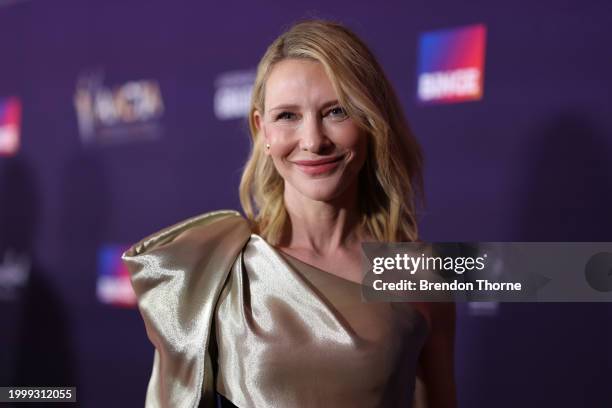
(121, 112)
(10, 119)
(451, 65)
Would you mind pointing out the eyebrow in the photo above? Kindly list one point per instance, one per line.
(294, 106)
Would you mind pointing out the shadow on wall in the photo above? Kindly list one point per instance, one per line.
(568, 195)
(112, 341)
(558, 354)
(84, 219)
(549, 354)
(40, 350)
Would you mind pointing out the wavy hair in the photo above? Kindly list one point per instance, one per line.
(391, 180)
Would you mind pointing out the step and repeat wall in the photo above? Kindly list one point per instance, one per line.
(120, 118)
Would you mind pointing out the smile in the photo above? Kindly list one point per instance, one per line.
(320, 166)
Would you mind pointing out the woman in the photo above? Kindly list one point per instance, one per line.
(267, 311)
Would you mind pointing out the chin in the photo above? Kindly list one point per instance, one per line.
(320, 190)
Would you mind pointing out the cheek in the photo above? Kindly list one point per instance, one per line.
(353, 139)
(345, 133)
(279, 150)
(281, 144)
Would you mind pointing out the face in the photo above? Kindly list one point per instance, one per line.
(316, 148)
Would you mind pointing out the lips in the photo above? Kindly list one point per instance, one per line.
(320, 166)
(318, 162)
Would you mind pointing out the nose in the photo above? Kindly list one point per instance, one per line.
(313, 137)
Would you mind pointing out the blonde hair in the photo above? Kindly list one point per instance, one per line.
(390, 183)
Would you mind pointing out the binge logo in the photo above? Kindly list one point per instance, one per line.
(451, 65)
(113, 286)
(10, 119)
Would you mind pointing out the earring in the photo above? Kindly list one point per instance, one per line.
(268, 146)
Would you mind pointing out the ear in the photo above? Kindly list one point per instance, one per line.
(261, 130)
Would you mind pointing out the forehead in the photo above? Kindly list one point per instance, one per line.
(298, 82)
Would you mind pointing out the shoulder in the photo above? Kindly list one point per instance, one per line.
(198, 229)
(196, 247)
(171, 269)
(177, 274)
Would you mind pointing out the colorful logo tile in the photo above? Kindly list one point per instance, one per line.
(114, 286)
(451, 65)
(10, 123)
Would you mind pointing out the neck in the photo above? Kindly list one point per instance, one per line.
(322, 227)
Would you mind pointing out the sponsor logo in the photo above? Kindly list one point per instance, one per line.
(113, 285)
(14, 274)
(233, 94)
(122, 112)
(10, 119)
(451, 65)
(483, 308)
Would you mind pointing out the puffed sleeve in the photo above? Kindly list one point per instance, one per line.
(177, 275)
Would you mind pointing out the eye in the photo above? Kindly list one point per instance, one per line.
(337, 113)
(285, 116)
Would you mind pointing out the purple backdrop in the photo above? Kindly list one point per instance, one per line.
(529, 162)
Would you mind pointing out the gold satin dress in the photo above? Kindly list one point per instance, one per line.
(230, 314)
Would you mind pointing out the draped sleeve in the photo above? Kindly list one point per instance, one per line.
(177, 275)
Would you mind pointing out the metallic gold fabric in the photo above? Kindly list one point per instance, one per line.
(285, 334)
(177, 275)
